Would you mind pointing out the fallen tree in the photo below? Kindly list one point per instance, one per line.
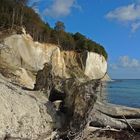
(115, 116)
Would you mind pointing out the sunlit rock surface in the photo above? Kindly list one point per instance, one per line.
(23, 114)
(96, 66)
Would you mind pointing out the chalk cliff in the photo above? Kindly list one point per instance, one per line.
(19, 52)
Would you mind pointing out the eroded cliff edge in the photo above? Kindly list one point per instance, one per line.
(66, 85)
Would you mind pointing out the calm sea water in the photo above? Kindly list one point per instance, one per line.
(124, 92)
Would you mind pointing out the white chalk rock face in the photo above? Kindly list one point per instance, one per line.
(58, 63)
(23, 114)
(96, 66)
(24, 79)
(22, 51)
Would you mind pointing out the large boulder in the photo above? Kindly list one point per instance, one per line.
(25, 114)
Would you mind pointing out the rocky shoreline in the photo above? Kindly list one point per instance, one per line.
(72, 107)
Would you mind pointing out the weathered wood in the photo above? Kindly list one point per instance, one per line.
(117, 111)
(135, 123)
(105, 114)
(129, 124)
(101, 120)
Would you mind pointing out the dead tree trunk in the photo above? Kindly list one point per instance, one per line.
(105, 114)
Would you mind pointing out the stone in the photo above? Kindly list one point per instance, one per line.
(24, 114)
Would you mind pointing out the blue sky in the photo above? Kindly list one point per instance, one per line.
(113, 23)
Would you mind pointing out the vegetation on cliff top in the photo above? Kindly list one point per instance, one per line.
(16, 13)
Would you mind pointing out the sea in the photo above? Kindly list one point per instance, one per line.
(123, 92)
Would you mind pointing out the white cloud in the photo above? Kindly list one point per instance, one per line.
(126, 62)
(61, 8)
(135, 26)
(113, 66)
(54, 8)
(129, 13)
(125, 13)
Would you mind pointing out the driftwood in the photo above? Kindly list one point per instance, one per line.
(117, 111)
(115, 116)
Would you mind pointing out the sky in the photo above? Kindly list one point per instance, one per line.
(115, 24)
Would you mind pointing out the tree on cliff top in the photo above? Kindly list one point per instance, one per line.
(59, 26)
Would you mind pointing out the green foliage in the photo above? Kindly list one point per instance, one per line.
(16, 13)
(82, 43)
(59, 26)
